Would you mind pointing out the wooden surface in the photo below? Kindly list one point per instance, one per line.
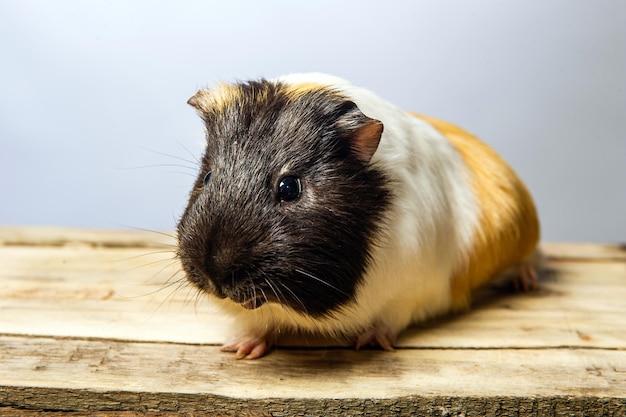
(102, 322)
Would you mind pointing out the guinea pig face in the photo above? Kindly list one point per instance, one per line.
(287, 203)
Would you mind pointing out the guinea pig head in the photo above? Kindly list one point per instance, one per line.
(287, 203)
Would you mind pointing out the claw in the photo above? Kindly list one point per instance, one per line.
(247, 347)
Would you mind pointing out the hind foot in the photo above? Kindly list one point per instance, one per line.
(526, 278)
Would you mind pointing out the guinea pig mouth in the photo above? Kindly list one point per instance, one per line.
(246, 298)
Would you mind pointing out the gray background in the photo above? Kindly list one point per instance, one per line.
(93, 120)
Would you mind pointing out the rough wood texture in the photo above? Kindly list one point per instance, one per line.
(89, 324)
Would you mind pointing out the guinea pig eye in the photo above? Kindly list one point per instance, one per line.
(289, 188)
(207, 177)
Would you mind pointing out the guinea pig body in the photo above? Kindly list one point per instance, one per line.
(321, 208)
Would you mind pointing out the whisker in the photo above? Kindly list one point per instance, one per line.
(295, 297)
(189, 174)
(271, 287)
(169, 262)
(262, 293)
(194, 156)
(199, 296)
(158, 166)
(155, 276)
(276, 328)
(280, 299)
(158, 252)
(307, 274)
(169, 283)
(299, 301)
(158, 232)
(196, 162)
(175, 287)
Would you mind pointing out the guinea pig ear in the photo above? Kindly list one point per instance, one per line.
(366, 139)
(364, 133)
(200, 101)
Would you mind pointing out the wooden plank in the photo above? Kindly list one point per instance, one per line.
(585, 251)
(293, 378)
(60, 236)
(115, 293)
(88, 323)
(120, 293)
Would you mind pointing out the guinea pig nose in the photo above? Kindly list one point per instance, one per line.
(233, 278)
(230, 264)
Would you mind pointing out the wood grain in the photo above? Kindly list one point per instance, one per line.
(88, 323)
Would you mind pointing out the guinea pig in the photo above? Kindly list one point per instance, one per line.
(321, 209)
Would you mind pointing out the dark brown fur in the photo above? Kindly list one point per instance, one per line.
(237, 239)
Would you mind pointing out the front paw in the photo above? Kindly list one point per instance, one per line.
(381, 336)
(248, 347)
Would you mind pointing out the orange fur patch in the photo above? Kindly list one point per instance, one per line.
(508, 229)
(217, 99)
(300, 89)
